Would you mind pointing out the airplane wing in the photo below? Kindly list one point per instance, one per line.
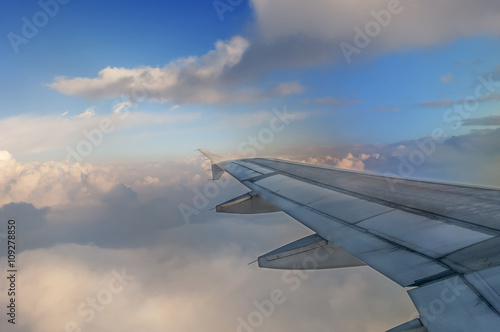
(440, 241)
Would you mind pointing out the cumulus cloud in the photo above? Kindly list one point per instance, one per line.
(349, 161)
(190, 80)
(469, 158)
(148, 180)
(178, 270)
(52, 183)
(124, 217)
(165, 291)
(187, 80)
(61, 184)
(119, 205)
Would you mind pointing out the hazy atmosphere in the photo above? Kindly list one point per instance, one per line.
(105, 103)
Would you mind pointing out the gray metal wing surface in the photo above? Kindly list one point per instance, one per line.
(440, 241)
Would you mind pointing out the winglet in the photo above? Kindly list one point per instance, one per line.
(215, 158)
(218, 162)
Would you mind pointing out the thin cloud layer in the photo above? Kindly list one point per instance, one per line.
(25, 134)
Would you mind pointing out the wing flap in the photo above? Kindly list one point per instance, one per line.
(309, 253)
(250, 203)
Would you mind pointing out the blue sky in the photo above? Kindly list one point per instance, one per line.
(375, 98)
(103, 106)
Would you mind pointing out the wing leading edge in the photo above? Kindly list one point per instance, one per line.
(439, 240)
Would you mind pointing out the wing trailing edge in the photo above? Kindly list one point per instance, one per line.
(412, 326)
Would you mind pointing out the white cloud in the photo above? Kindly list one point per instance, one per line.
(52, 183)
(148, 180)
(347, 162)
(351, 162)
(62, 184)
(174, 107)
(190, 80)
(121, 106)
(88, 113)
(187, 80)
